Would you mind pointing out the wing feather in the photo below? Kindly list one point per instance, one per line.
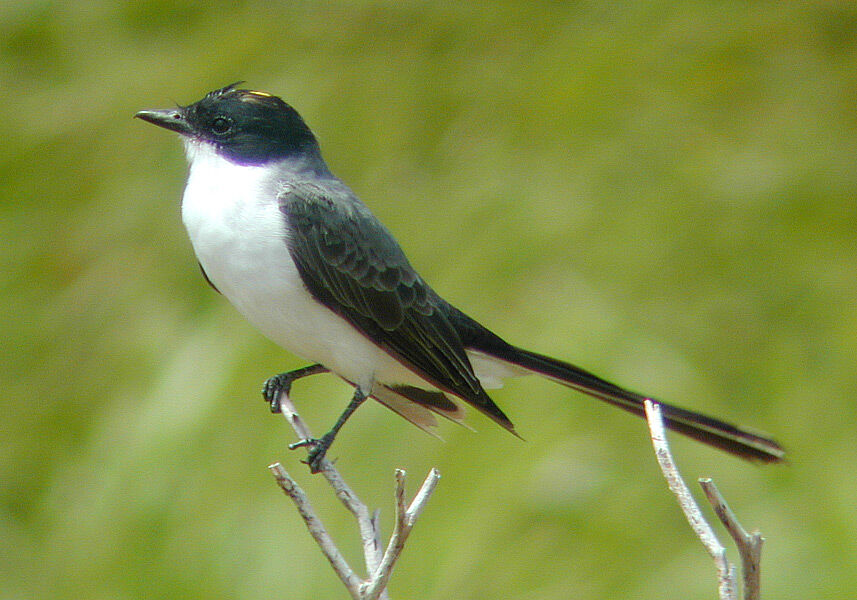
(353, 265)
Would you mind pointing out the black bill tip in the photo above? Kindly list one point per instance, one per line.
(169, 118)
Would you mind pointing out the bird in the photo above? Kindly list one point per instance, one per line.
(307, 263)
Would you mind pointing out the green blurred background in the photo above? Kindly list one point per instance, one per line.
(664, 194)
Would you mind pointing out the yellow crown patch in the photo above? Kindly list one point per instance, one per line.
(252, 95)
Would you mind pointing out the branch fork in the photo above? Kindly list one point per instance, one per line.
(379, 563)
(749, 544)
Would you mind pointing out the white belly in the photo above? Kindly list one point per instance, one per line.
(239, 235)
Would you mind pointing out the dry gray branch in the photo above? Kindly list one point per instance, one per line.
(379, 565)
(749, 545)
(405, 519)
(317, 530)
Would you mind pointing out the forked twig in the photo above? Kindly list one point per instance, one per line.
(749, 545)
(379, 565)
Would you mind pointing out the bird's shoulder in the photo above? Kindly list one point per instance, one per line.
(347, 256)
(352, 264)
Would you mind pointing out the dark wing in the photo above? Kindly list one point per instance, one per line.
(352, 264)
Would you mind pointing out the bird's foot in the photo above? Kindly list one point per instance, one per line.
(274, 387)
(281, 384)
(317, 449)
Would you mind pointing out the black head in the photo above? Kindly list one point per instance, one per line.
(245, 126)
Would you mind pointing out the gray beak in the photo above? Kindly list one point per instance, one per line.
(168, 118)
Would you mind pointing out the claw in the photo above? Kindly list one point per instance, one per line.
(315, 457)
(304, 442)
(274, 386)
(318, 448)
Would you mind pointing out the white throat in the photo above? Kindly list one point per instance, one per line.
(221, 195)
(232, 217)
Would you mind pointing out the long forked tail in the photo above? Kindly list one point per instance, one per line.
(700, 427)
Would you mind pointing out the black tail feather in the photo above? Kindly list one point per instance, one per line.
(708, 430)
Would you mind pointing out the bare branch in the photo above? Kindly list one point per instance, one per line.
(317, 530)
(405, 519)
(421, 498)
(726, 576)
(367, 526)
(749, 544)
(379, 566)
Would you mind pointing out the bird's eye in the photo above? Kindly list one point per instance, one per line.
(221, 125)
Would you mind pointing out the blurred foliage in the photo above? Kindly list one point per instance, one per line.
(661, 192)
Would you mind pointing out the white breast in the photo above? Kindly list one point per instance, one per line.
(239, 235)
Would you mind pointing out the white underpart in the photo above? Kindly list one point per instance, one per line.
(239, 235)
(492, 371)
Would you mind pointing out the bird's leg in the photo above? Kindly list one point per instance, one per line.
(278, 384)
(318, 447)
